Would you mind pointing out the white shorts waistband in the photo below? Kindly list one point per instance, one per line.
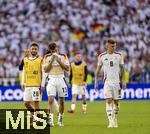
(55, 76)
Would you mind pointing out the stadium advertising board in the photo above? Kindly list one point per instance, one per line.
(132, 92)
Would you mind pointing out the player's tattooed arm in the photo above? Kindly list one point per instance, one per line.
(122, 72)
(96, 77)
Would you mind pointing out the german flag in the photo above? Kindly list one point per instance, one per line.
(79, 35)
(97, 27)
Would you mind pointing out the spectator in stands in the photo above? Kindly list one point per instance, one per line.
(83, 24)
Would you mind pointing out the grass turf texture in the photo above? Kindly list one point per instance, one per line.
(134, 118)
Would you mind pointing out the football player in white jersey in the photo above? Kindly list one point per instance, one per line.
(55, 65)
(48, 52)
(113, 68)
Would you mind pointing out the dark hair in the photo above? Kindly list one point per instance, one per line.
(52, 46)
(77, 52)
(111, 41)
(34, 44)
(47, 51)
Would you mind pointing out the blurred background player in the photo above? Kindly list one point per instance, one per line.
(32, 79)
(78, 77)
(113, 67)
(55, 65)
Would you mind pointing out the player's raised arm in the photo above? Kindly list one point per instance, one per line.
(48, 64)
(64, 64)
(23, 75)
(99, 65)
(21, 65)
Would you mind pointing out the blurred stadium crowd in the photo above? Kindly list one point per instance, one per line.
(74, 25)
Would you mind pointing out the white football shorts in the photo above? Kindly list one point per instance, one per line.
(78, 89)
(57, 83)
(31, 94)
(112, 90)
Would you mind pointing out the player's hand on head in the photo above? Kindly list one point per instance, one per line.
(57, 58)
(52, 59)
(54, 56)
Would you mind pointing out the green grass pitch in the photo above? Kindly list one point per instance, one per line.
(134, 118)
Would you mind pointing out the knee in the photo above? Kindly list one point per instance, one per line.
(74, 99)
(51, 100)
(109, 101)
(74, 96)
(116, 103)
(83, 97)
(26, 103)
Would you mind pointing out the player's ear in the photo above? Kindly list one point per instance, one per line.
(106, 46)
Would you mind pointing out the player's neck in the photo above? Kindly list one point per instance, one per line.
(78, 62)
(33, 56)
(110, 52)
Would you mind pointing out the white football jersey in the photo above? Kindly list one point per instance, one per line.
(62, 57)
(110, 64)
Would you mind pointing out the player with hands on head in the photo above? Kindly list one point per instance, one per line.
(55, 65)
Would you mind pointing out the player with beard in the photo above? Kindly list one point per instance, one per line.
(32, 79)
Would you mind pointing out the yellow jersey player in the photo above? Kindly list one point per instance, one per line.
(113, 68)
(55, 65)
(78, 77)
(32, 79)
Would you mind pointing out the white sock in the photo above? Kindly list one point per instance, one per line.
(56, 105)
(109, 111)
(115, 112)
(84, 106)
(51, 116)
(73, 106)
(60, 117)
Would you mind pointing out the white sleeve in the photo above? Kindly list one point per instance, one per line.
(121, 62)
